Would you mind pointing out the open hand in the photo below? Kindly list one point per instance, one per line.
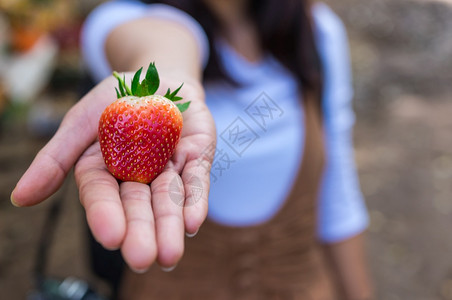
(147, 222)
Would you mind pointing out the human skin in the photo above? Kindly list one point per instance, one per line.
(139, 219)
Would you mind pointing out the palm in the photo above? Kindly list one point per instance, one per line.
(146, 222)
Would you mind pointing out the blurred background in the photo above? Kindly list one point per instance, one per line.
(402, 63)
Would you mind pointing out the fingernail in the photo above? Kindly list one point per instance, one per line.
(114, 248)
(13, 201)
(168, 269)
(190, 235)
(139, 271)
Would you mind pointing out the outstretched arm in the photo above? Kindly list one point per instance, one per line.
(144, 221)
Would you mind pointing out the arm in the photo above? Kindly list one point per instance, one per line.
(342, 212)
(172, 47)
(349, 268)
(140, 219)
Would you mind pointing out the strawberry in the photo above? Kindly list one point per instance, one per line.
(138, 133)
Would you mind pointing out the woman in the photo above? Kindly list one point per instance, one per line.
(275, 79)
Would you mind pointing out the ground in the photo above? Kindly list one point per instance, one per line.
(401, 54)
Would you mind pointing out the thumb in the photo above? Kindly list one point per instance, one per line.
(75, 134)
(51, 165)
(43, 178)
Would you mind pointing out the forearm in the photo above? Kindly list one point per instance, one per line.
(173, 48)
(349, 265)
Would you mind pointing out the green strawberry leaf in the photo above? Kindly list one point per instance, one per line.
(136, 81)
(147, 87)
(120, 84)
(123, 88)
(172, 96)
(183, 106)
(126, 87)
(141, 89)
(152, 79)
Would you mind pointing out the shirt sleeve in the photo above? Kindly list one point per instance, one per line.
(342, 211)
(110, 15)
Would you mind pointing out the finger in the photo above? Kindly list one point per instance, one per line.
(51, 165)
(196, 178)
(99, 195)
(194, 161)
(168, 219)
(139, 247)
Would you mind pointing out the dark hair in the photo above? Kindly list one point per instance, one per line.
(285, 30)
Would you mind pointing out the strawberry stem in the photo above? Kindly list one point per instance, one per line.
(124, 89)
(147, 87)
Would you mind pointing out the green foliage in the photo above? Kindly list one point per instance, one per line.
(147, 87)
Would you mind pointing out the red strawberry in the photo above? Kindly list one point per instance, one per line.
(138, 133)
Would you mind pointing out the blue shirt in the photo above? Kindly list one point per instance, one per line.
(260, 126)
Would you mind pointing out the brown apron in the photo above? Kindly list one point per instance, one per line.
(280, 259)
